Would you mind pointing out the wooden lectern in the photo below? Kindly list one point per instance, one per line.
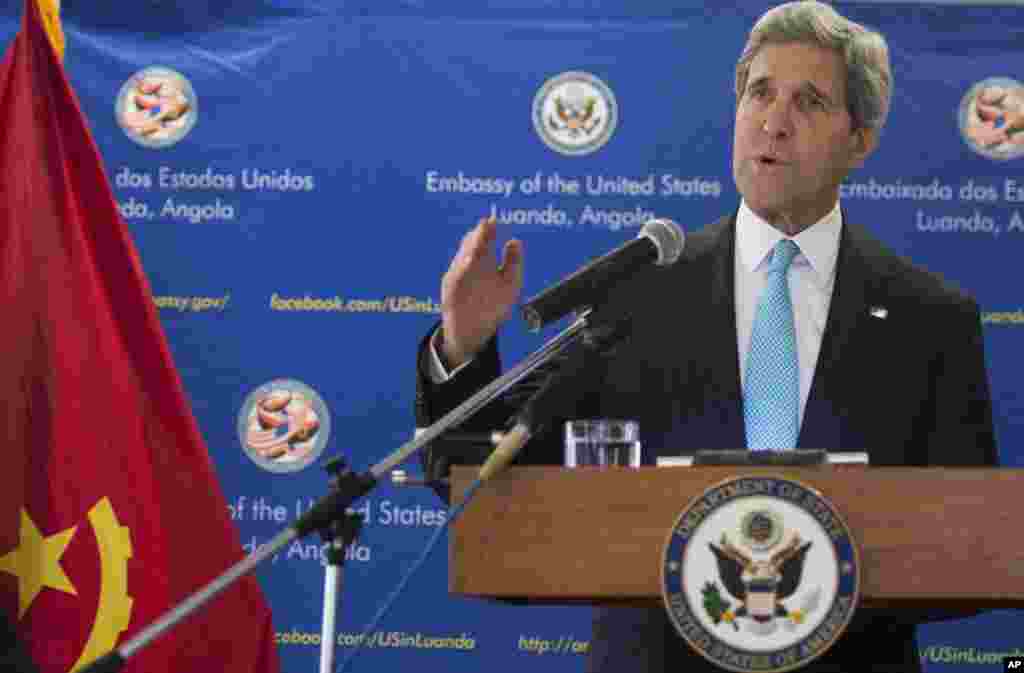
(929, 538)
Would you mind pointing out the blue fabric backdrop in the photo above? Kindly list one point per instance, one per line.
(295, 218)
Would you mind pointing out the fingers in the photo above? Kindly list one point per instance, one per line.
(482, 237)
(994, 103)
(478, 244)
(988, 112)
(512, 261)
(991, 95)
(985, 134)
(1015, 122)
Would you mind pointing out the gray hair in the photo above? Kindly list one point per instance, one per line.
(864, 51)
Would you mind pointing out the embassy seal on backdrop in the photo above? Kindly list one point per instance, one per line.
(575, 113)
(156, 107)
(991, 118)
(283, 425)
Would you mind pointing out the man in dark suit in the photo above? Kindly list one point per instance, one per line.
(887, 357)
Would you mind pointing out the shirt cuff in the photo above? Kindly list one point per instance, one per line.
(438, 373)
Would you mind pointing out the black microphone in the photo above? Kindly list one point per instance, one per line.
(559, 395)
(660, 241)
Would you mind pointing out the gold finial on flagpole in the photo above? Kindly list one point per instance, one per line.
(50, 12)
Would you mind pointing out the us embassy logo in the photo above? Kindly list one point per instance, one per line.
(283, 425)
(575, 113)
(156, 107)
(760, 574)
(991, 118)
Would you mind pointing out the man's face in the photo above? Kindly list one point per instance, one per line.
(793, 142)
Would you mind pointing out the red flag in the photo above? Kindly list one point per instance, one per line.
(110, 511)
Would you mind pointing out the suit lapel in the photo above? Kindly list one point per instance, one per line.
(723, 360)
(856, 311)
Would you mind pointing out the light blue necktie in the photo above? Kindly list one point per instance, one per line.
(771, 389)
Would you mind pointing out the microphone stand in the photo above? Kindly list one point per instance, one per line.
(347, 487)
(341, 532)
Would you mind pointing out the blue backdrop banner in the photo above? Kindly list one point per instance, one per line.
(297, 175)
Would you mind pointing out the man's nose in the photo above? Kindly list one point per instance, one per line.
(778, 120)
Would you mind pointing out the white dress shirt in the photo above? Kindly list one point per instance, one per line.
(811, 280)
(437, 371)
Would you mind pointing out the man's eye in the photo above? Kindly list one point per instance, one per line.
(812, 103)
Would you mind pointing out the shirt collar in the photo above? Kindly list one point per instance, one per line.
(819, 243)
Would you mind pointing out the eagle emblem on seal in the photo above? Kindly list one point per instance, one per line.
(759, 574)
(759, 585)
(575, 113)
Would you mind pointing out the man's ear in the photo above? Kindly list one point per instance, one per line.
(864, 141)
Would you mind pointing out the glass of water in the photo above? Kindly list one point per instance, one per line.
(602, 442)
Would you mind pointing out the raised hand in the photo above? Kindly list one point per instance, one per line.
(478, 293)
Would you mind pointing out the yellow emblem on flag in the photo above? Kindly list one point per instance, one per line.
(36, 564)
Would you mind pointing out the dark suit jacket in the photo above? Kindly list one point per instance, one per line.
(910, 389)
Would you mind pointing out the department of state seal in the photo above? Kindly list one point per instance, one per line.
(760, 574)
(575, 113)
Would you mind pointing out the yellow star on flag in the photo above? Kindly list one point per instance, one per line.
(36, 563)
